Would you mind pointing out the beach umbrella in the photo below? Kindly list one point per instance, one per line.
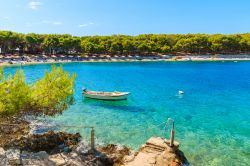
(27, 57)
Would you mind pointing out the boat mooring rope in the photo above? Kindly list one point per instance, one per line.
(164, 129)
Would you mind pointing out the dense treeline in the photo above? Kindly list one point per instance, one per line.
(147, 44)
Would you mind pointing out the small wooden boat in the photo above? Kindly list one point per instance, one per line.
(105, 95)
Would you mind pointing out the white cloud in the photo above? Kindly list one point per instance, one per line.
(57, 23)
(85, 25)
(82, 25)
(34, 5)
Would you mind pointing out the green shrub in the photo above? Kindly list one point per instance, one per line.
(53, 93)
(50, 95)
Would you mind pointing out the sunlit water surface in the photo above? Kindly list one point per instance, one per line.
(212, 118)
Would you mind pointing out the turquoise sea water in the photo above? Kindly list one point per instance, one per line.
(212, 118)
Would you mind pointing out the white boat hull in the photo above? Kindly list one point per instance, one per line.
(122, 96)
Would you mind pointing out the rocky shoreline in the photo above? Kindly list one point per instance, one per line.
(80, 156)
(19, 147)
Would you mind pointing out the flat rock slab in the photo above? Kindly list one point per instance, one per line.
(159, 142)
(62, 159)
(143, 159)
(156, 152)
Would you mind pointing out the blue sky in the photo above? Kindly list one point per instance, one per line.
(131, 17)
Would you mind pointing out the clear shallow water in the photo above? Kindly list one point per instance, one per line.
(212, 118)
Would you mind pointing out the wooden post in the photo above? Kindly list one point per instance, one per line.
(92, 139)
(172, 136)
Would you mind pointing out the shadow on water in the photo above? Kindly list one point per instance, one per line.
(122, 105)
